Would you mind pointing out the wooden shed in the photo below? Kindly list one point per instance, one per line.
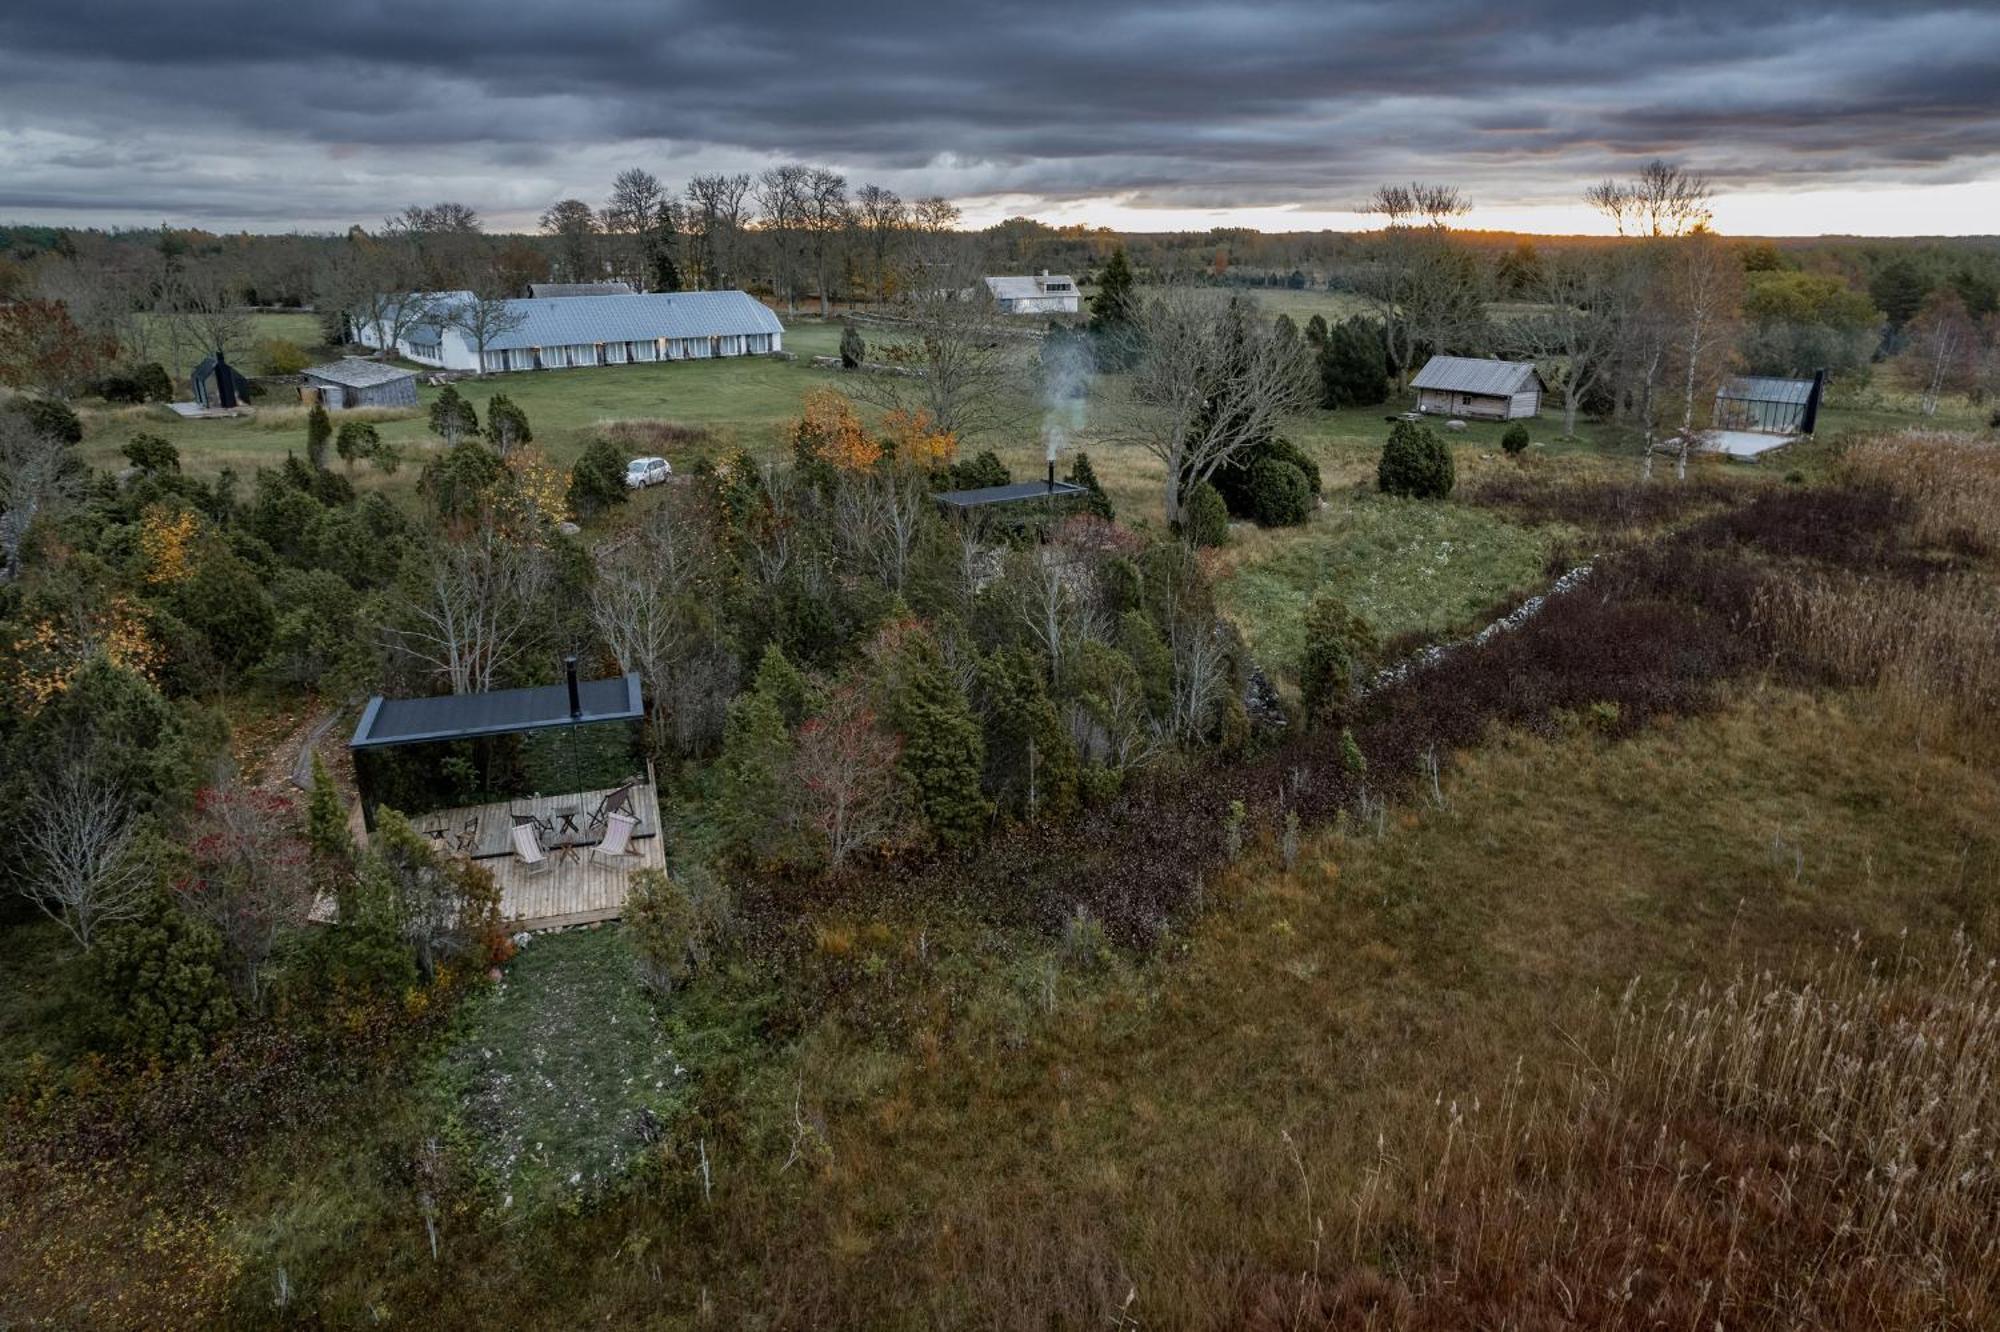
(355, 382)
(1476, 387)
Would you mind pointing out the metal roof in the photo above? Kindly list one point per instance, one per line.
(410, 721)
(567, 321)
(1026, 288)
(1475, 375)
(355, 372)
(1007, 494)
(1761, 388)
(539, 289)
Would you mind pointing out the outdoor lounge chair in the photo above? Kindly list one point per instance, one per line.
(527, 844)
(614, 802)
(617, 838)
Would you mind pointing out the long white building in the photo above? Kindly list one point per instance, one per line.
(560, 333)
(1045, 293)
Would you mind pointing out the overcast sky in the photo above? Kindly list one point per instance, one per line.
(1822, 117)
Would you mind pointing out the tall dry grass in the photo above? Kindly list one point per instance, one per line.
(1953, 481)
(655, 436)
(1759, 1154)
(1931, 648)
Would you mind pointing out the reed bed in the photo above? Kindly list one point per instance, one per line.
(1953, 481)
(1932, 649)
(1754, 1154)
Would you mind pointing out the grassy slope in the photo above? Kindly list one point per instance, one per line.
(1151, 1136)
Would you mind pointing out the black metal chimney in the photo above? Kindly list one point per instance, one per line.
(575, 698)
(225, 390)
(1052, 476)
(1812, 402)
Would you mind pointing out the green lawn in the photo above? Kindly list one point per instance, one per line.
(1402, 565)
(560, 1076)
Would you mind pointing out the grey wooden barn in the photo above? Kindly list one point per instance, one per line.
(355, 382)
(1483, 389)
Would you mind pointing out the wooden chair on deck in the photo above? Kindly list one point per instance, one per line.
(617, 843)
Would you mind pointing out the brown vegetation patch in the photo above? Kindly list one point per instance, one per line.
(1757, 1154)
(655, 437)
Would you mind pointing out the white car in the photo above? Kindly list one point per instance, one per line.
(643, 472)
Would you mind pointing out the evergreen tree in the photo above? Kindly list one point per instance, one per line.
(1352, 368)
(786, 685)
(1081, 473)
(751, 780)
(663, 272)
(1416, 463)
(452, 418)
(319, 433)
(944, 753)
(506, 424)
(459, 481)
(1031, 764)
(1316, 330)
(326, 817)
(356, 440)
(1113, 312)
(157, 984)
(152, 455)
(1139, 638)
(597, 480)
(1205, 517)
(1337, 645)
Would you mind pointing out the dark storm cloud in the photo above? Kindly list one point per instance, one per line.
(328, 113)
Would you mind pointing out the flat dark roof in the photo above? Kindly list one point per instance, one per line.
(1008, 494)
(411, 721)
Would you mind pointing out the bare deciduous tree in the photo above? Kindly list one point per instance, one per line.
(36, 476)
(967, 375)
(574, 227)
(716, 214)
(483, 317)
(884, 219)
(1577, 337)
(824, 217)
(1418, 278)
(781, 194)
(1663, 200)
(466, 610)
(1212, 379)
(654, 603)
(86, 868)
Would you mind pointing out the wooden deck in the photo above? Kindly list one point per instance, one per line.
(577, 887)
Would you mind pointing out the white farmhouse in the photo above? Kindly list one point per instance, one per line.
(560, 333)
(1046, 294)
(1475, 386)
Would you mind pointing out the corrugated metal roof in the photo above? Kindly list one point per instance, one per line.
(409, 721)
(563, 321)
(1025, 288)
(354, 372)
(1475, 374)
(566, 321)
(1762, 388)
(540, 289)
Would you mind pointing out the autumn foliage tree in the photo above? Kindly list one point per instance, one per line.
(252, 879)
(829, 435)
(844, 767)
(42, 349)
